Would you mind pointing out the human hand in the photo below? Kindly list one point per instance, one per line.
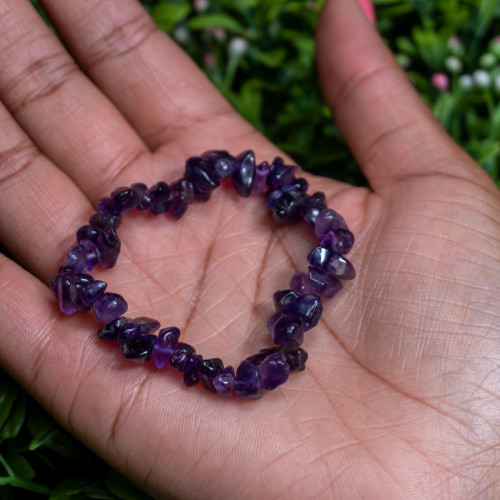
(399, 396)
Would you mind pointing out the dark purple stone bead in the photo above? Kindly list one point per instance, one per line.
(54, 283)
(180, 354)
(274, 370)
(143, 196)
(191, 374)
(164, 347)
(88, 233)
(326, 286)
(244, 173)
(138, 347)
(340, 240)
(105, 220)
(148, 324)
(289, 207)
(92, 254)
(315, 203)
(282, 297)
(179, 206)
(224, 382)
(279, 173)
(288, 331)
(125, 198)
(77, 259)
(109, 306)
(185, 187)
(339, 267)
(76, 282)
(63, 294)
(221, 162)
(137, 326)
(108, 245)
(300, 283)
(328, 220)
(111, 330)
(92, 291)
(259, 183)
(296, 357)
(318, 257)
(161, 198)
(256, 359)
(199, 173)
(272, 321)
(208, 370)
(248, 382)
(307, 307)
(108, 206)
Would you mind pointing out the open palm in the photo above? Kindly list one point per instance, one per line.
(400, 394)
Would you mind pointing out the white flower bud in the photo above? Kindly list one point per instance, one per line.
(466, 82)
(453, 64)
(481, 78)
(238, 46)
(487, 60)
(181, 34)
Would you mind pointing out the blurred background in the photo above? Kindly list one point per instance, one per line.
(260, 54)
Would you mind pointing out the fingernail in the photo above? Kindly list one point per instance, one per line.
(368, 9)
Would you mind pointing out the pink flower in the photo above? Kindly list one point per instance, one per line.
(209, 59)
(368, 8)
(440, 81)
(219, 34)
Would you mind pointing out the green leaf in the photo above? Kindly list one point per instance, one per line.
(167, 15)
(219, 20)
(272, 59)
(431, 46)
(72, 487)
(19, 466)
(9, 390)
(123, 488)
(15, 421)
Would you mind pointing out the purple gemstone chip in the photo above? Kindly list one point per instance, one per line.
(111, 330)
(328, 220)
(137, 347)
(279, 173)
(208, 370)
(164, 347)
(108, 307)
(143, 196)
(288, 331)
(221, 162)
(161, 198)
(191, 375)
(180, 354)
(300, 283)
(248, 382)
(244, 173)
(274, 370)
(224, 382)
(92, 291)
(307, 307)
(339, 240)
(259, 183)
(327, 286)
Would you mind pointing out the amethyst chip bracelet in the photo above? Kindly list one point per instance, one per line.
(298, 309)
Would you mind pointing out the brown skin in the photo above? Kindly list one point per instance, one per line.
(400, 395)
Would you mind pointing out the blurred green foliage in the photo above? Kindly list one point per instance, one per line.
(260, 54)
